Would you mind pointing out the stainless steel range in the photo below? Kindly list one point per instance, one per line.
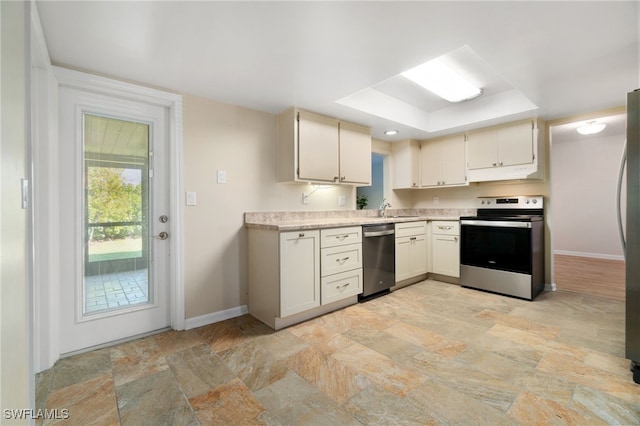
(502, 248)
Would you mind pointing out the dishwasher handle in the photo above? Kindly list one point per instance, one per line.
(378, 233)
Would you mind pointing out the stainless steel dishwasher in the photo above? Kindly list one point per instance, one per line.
(378, 259)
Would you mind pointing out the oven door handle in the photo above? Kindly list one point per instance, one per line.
(496, 223)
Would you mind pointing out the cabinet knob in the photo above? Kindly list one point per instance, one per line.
(343, 178)
(500, 163)
(494, 164)
(336, 178)
(301, 234)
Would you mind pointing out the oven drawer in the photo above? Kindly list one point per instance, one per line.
(446, 227)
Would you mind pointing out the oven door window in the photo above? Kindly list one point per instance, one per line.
(506, 249)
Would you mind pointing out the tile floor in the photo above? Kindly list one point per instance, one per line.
(431, 353)
(113, 291)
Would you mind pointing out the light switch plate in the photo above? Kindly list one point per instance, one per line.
(191, 198)
(342, 200)
(222, 176)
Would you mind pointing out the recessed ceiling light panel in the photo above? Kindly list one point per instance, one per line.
(390, 132)
(439, 78)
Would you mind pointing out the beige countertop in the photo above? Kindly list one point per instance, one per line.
(291, 221)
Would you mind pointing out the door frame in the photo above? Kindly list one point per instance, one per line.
(173, 103)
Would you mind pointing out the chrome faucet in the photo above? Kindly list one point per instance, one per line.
(383, 207)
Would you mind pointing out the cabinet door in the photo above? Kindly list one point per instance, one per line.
(403, 258)
(454, 162)
(406, 164)
(411, 257)
(355, 154)
(515, 144)
(299, 271)
(418, 255)
(430, 163)
(446, 255)
(483, 149)
(318, 142)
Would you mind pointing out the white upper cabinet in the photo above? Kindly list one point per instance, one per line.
(315, 148)
(507, 152)
(406, 164)
(503, 146)
(443, 162)
(355, 154)
(318, 147)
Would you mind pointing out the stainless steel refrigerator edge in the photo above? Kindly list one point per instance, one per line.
(632, 252)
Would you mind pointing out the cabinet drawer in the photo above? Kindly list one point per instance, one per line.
(340, 236)
(445, 227)
(340, 286)
(340, 259)
(411, 228)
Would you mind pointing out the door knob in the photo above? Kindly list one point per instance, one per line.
(162, 236)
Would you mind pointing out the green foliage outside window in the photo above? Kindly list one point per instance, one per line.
(112, 199)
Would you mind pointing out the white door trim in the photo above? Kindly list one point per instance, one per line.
(173, 102)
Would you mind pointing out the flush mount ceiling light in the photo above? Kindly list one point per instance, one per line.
(591, 127)
(444, 81)
(390, 132)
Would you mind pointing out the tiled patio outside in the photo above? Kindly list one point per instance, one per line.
(112, 291)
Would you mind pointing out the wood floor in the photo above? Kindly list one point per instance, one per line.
(591, 276)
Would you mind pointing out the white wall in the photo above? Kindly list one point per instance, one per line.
(242, 142)
(15, 371)
(585, 172)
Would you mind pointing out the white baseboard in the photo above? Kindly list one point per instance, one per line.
(214, 317)
(587, 254)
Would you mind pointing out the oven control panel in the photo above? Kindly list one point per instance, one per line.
(512, 202)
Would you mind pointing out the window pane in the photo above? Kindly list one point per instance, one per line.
(116, 154)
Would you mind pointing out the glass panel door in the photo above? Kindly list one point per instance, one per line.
(116, 214)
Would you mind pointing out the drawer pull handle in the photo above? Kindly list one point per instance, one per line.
(344, 259)
(342, 287)
(446, 228)
(342, 237)
(300, 235)
(413, 238)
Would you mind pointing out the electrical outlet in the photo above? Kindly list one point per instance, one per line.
(305, 198)
(342, 200)
(436, 200)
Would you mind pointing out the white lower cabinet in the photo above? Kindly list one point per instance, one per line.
(411, 250)
(294, 277)
(299, 265)
(339, 286)
(341, 263)
(445, 248)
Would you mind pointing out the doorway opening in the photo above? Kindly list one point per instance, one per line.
(587, 253)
